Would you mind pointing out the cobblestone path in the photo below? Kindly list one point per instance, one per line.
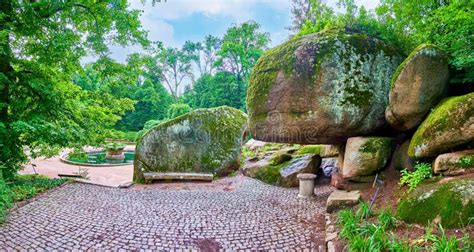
(234, 213)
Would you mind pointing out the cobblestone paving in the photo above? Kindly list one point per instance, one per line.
(245, 214)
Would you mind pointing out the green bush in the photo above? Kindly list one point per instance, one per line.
(24, 187)
(6, 200)
(413, 179)
(178, 109)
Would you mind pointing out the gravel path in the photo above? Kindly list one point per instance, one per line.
(232, 213)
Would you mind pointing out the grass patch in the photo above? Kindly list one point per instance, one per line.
(24, 187)
(377, 234)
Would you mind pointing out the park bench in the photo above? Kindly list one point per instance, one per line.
(150, 176)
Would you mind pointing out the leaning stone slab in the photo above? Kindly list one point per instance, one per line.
(201, 141)
(365, 156)
(455, 163)
(340, 199)
(419, 83)
(321, 88)
(449, 125)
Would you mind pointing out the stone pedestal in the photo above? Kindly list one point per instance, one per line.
(306, 185)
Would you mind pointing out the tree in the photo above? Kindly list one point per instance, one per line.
(448, 24)
(216, 90)
(41, 44)
(175, 67)
(300, 10)
(241, 47)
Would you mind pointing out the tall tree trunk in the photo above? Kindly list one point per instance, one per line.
(6, 78)
(6, 71)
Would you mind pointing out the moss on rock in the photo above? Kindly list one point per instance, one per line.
(449, 125)
(333, 83)
(204, 140)
(450, 203)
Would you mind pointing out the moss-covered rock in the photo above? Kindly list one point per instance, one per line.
(450, 203)
(204, 140)
(454, 163)
(365, 156)
(449, 125)
(321, 88)
(419, 83)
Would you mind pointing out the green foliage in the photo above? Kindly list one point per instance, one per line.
(23, 187)
(310, 149)
(178, 109)
(407, 23)
(6, 199)
(41, 46)
(466, 162)
(412, 179)
(220, 89)
(114, 146)
(362, 235)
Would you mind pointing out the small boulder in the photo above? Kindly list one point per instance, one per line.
(201, 141)
(449, 125)
(339, 182)
(330, 166)
(401, 160)
(251, 167)
(419, 83)
(449, 202)
(305, 164)
(455, 163)
(340, 199)
(253, 144)
(365, 156)
(321, 88)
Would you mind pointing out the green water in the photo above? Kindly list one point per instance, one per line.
(99, 158)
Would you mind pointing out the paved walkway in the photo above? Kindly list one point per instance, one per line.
(231, 213)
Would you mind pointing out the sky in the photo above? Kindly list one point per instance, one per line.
(175, 21)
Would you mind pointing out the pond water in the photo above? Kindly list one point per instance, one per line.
(99, 158)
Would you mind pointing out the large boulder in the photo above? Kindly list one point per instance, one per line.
(449, 125)
(419, 83)
(365, 156)
(202, 141)
(454, 163)
(450, 203)
(321, 88)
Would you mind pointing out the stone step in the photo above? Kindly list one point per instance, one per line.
(149, 176)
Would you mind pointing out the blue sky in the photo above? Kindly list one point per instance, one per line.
(175, 21)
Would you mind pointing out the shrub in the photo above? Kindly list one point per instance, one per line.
(6, 199)
(413, 179)
(178, 109)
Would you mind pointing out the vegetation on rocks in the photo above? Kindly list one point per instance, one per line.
(412, 179)
(379, 233)
(204, 140)
(450, 203)
(446, 127)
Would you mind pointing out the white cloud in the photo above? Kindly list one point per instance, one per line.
(238, 10)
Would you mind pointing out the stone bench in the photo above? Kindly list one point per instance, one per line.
(149, 176)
